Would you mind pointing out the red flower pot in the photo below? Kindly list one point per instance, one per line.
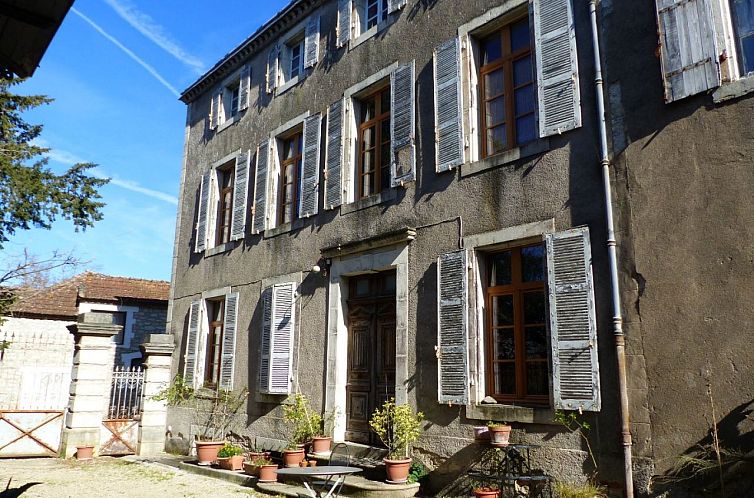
(397, 470)
(486, 493)
(268, 473)
(84, 452)
(206, 451)
(293, 458)
(500, 435)
(321, 444)
(233, 463)
(250, 469)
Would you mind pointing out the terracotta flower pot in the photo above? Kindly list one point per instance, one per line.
(481, 433)
(268, 473)
(486, 493)
(500, 435)
(321, 444)
(312, 463)
(206, 451)
(250, 469)
(292, 458)
(84, 452)
(233, 463)
(304, 463)
(397, 470)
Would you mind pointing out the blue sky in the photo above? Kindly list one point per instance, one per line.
(114, 69)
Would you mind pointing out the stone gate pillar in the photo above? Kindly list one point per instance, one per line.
(93, 354)
(157, 359)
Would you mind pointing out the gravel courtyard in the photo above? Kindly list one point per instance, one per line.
(105, 478)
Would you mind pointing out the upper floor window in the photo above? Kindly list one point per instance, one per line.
(231, 99)
(374, 143)
(216, 315)
(743, 24)
(507, 89)
(295, 56)
(290, 173)
(225, 176)
(375, 13)
(233, 92)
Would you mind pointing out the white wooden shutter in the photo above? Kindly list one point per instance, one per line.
(244, 88)
(227, 360)
(395, 5)
(573, 326)
(272, 69)
(264, 349)
(557, 67)
(240, 195)
(311, 42)
(201, 220)
(448, 112)
(334, 156)
(403, 157)
(260, 188)
(452, 329)
(309, 198)
(212, 112)
(219, 108)
(345, 9)
(687, 42)
(280, 311)
(189, 364)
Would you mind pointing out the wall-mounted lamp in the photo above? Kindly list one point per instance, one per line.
(322, 266)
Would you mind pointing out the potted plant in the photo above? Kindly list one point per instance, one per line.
(397, 427)
(267, 470)
(216, 414)
(500, 434)
(486, 491)
(320, 441)
(293, 455)
(230, 457)
(305, 423)
(84, 452)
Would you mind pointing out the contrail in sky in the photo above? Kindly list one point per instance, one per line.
(128, 52)
(147, 26)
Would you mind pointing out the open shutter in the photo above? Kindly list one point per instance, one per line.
(282, 334)
(229, 342)
(334, 156)
(687, 43)
(272, 69)
(244, 87)
(557, 67)
(452, 329)
(403, 157)
(395, 5)
(264, 350)
(345, 8)
(448, 112)
(573, 327)
(201, 221)
(260, 188)
(311, 42)
(189, 364)
(309, 199)
(219, 110)
(240, 194)
(212, 112)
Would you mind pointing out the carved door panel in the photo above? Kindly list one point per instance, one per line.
(385, 357)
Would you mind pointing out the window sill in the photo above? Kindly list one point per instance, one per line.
(734, 89)
(289, 84)
(510, 413)
(367, 202)
(229, 122)
(285, 228)
(220, 249)
(509, 156)
(370, 33)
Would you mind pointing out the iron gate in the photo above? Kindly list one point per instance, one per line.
(119, 434)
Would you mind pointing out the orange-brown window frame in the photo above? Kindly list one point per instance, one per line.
(216, 310)
(226, 179)
(294, 162)
(379, 142)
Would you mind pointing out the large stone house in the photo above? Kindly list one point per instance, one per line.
(392, 198)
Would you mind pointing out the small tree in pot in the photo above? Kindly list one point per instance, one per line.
(305, 423)
(397, 427)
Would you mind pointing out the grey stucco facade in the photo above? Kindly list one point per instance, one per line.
(550, 185)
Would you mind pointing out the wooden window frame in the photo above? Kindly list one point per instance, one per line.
(375, 122)
(379, 18)
(296, 136)
(214, 343)
(505, 62)
(517, 289)
(225, 203)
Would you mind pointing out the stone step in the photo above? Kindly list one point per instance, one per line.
(354, 486)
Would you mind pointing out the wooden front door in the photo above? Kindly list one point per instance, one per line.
(371, 352)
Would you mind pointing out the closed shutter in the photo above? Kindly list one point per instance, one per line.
(227, 360)
(452, 329)
(309, 200)
(189, 364)
(687, 43)
(573, 326)
(240, 194)
(403, 159)
(311, 42)
(557, 67)
(280, 313)
(272, 69)
(264, 349)
(345, 9)
(334, 156)
(260, 188)
(395, 5)
(448, 113)
(201, 221)
(244, 88)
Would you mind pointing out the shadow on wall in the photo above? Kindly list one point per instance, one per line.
(720, 464)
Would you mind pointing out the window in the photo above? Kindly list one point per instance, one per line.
(290, 172)
(374, 143)
(216, 316)
(290, 56)
(742, 12)
(232, 98)
(295, 56)
(516, 333)
(507, 89)
(375, 12)
(233, 92)
(225, 177)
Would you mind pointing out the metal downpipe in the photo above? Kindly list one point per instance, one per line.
(620, 340)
